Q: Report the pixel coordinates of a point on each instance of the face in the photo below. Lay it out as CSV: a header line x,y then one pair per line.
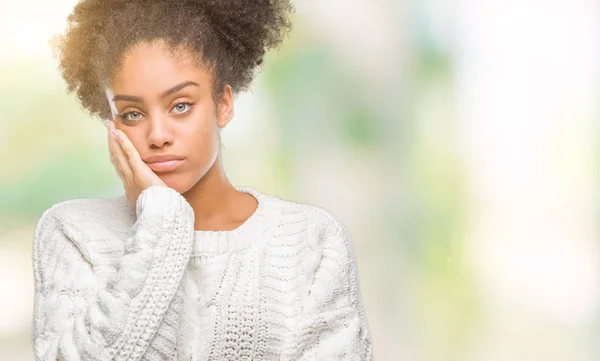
x,y
164,104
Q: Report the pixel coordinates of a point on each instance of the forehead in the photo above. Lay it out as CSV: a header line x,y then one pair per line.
x,y
151,68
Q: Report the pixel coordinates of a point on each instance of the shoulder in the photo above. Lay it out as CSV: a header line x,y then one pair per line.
x,y
327,257
323,227
86,218
88,210
84,225
287,206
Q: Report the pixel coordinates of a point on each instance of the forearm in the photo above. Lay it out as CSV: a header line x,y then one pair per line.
x,y
118,320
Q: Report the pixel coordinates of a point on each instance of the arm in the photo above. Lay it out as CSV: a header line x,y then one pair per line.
x,y
77,318
333,325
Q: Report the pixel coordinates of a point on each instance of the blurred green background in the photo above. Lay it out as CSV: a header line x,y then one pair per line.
x,y
457,140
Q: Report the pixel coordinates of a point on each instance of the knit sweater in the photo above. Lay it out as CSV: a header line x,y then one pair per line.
x,y
117,282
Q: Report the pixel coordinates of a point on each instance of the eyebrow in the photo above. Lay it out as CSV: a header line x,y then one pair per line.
x,y
166,93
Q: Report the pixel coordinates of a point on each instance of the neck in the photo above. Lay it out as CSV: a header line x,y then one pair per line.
x,y
213,198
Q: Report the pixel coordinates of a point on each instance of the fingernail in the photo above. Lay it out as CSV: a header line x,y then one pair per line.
x,y
115,133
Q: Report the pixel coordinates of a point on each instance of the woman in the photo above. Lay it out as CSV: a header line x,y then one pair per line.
x,y
185,266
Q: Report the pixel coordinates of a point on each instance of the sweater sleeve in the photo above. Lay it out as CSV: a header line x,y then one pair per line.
x,y
77,317
332,324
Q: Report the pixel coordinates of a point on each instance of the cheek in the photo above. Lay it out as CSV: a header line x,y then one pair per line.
x,y
203,140
203,122
136,139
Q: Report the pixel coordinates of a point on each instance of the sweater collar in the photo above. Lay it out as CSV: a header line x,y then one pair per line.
x,y
217,242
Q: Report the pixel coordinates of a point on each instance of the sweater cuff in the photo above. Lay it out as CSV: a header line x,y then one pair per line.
x,y
154,199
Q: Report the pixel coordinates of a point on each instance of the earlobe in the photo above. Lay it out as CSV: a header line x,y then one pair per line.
x,y
224,119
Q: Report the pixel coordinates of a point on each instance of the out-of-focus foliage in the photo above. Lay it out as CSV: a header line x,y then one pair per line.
x,y
455,142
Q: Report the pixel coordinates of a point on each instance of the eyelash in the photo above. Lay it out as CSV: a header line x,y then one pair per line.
x,y
123,116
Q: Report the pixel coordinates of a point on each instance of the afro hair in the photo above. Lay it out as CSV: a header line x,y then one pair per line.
x,y
229,37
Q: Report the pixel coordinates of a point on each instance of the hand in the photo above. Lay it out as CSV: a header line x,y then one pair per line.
x,y
134,173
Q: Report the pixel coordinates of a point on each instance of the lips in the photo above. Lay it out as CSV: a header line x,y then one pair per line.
x,y
162,158
165,166
164,162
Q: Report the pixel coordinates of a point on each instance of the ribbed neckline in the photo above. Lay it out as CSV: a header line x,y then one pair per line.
x,y
217,242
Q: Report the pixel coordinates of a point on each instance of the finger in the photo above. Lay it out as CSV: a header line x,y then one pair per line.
x,y
119,158
117,166
111,151
131,154
111,155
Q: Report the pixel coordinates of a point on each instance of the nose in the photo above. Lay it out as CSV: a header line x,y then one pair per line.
x,y
159,133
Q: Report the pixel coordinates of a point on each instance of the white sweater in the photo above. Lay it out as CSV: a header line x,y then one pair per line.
x,y
114,282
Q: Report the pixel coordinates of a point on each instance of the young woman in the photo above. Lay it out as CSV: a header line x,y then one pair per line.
x,y
185,266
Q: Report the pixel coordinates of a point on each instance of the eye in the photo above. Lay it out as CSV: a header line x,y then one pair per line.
x,y
182,107
131,116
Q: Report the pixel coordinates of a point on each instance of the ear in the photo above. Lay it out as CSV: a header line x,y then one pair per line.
x,y
225,107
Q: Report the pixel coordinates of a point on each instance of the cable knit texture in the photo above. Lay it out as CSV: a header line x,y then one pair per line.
x,y
116,282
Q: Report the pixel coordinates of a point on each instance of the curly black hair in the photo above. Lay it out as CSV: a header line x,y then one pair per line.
x,y
229,37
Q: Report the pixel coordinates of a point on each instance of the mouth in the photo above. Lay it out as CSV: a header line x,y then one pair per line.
x,y
165,166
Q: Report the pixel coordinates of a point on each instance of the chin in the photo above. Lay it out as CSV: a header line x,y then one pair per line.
x,y
173,181
182,183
